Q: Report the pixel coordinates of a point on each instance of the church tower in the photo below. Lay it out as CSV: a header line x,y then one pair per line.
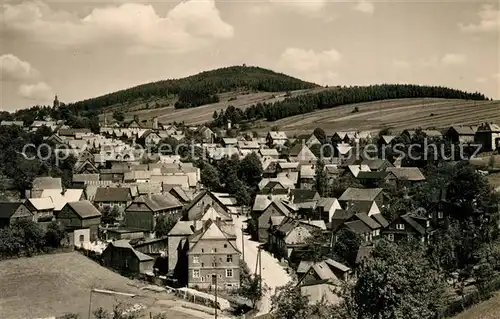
x,y
56,102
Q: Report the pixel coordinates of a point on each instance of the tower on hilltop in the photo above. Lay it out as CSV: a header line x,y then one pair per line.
x,y
56,103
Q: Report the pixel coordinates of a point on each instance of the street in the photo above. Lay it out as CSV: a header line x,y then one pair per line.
x,y
273,274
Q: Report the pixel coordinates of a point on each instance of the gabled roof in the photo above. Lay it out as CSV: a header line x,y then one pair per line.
x,y
82,178
303,195
125,244
60,198
278,135
84,209
43,203
341,214
368,221
465,130
201,195
47,183
7,209
375,164
388,138
408,219
380,219
326,203
360,194
157,202
374,175
407,173
185,228
112,194
358,227
337,265
211,230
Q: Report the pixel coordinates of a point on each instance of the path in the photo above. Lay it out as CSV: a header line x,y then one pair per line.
x,y
273,274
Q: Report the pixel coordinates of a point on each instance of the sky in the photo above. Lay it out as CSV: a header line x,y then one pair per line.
x,y
84,49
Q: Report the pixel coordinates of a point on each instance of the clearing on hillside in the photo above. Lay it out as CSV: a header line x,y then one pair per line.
x,y
52,285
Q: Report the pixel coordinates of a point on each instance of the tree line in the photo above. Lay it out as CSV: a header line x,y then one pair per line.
x,y
333,97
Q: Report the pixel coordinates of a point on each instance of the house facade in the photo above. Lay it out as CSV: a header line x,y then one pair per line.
x,y
80,215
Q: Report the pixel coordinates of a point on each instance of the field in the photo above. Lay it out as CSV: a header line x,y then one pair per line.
x,y
372,116
52,285
489,309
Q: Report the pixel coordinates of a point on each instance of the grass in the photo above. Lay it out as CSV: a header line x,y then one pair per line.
x,y
489,309
52,285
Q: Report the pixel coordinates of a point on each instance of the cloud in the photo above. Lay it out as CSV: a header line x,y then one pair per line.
x,y
365,7
302,6
400,64
489,21
453,59
40,91
137,28
14,69
311,65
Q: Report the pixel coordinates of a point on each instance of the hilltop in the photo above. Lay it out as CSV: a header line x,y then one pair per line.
x,y
195,90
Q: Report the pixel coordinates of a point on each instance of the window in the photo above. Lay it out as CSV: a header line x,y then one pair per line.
x,y
440,215
82,238
391,237
202,250
196,259
202,279
225,245
427,223
196,273
214,264
377,232
400,226
202,265
214,250
229,258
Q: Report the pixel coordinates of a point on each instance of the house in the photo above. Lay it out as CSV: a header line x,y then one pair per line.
x,y
183,195
12,123
42,208
151,137
327,269
11,212
366,227
213,259
275,208
325,208
352,195
488,135
312,140
340,138
80,180
302,153
206,134
407,225
269,153
213,214
290,234
411,174
112,197
324,291
62,197
178,245
276,138
229,142
80,215
461,134
354,170
196,209
377,165
121,256
144,211
374,178
40,184
307,176
385,140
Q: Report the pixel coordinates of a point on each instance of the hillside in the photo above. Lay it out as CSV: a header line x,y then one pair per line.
x,y
195,90
60,283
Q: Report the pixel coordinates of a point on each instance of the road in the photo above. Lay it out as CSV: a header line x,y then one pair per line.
x,y
273,274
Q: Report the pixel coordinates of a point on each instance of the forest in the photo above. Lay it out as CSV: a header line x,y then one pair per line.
x,y
335,97
199,88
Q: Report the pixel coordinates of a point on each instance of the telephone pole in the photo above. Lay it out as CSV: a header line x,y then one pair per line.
x,y
216,304
242,244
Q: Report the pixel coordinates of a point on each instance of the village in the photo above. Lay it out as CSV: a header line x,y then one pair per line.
x,y
150,216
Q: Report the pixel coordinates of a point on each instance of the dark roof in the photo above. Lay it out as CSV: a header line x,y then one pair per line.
x,y
200,196
72,131
464,130
408,219
302,195
341,214
360,194
375,164
85,209
360,207
112,194
294,151
7,209
368,221
380,219
373,175
358,227
158,202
